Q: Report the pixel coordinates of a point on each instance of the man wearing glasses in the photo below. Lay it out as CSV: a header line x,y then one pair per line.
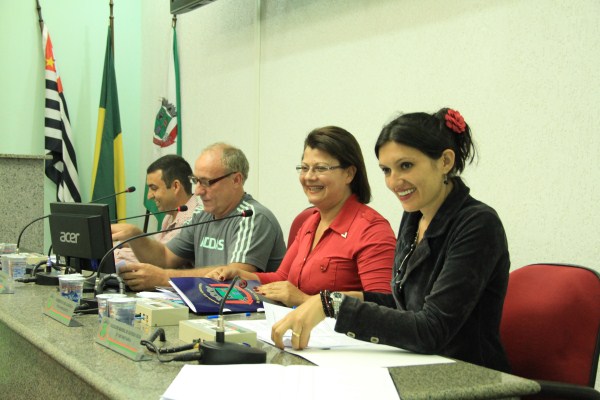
x,y
252,243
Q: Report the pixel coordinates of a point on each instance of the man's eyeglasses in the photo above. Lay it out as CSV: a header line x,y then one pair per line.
x,y
317,169
207,182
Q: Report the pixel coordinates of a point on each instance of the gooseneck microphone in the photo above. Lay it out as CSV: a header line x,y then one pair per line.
x,y
180,208
27,226
243,214
220,352
130,189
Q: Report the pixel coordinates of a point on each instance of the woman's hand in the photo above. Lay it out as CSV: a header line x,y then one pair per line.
x,y
301,321
284,292
224,273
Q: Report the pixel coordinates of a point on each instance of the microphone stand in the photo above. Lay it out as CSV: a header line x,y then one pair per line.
x,y
178,209
130,189
220,352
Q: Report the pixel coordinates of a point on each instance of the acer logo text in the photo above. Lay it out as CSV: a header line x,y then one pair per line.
x,y
69,237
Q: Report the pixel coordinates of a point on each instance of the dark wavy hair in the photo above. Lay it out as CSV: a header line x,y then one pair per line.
x,y
342,145
173,167
429,134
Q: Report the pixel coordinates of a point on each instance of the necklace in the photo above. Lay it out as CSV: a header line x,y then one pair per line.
x,y
399,278
402,266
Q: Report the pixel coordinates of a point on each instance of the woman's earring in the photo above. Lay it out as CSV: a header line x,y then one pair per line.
x,y
445,179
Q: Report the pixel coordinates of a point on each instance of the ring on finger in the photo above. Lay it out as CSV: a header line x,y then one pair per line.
x,y
295,334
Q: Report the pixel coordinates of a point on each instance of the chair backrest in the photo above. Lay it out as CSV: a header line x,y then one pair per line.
x,y
551,323
297,223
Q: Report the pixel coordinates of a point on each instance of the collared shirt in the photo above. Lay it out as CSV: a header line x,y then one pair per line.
x,y
180,218
356,252
126,254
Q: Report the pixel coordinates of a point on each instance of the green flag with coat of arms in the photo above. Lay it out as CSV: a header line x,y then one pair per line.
x,y
167,125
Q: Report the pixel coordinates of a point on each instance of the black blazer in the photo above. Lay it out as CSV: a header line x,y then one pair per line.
x,y
448,298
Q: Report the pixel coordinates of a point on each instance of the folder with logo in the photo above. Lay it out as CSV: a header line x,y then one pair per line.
x,y
204,295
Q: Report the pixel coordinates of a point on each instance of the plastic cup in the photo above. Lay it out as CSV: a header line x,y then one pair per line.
x,y
15,265
103,303
71,286
9,248
122,309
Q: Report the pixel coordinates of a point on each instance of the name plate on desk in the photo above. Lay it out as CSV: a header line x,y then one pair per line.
x,y
60,309
122,338
5,283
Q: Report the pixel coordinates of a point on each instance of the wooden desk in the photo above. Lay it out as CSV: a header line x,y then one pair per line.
x,y
41,358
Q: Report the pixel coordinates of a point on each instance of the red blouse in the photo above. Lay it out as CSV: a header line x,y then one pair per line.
x,y
356,252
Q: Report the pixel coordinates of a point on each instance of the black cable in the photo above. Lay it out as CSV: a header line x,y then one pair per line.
x,y
167,350
195,356
34,270
101,282
149,343
158,332
84,308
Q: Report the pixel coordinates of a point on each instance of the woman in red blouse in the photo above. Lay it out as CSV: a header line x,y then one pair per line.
x,y
345,245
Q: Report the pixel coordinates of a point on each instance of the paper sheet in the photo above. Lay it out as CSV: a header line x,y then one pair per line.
x,y
276,382
329,348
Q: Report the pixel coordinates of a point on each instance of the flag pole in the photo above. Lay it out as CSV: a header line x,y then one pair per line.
x,y
112,28
39,11
62,168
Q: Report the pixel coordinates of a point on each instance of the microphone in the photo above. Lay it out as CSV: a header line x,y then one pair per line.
x,y
180,208
130,189
220,352
243,214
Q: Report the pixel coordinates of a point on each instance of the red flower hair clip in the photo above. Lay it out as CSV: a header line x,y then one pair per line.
x,y
454,121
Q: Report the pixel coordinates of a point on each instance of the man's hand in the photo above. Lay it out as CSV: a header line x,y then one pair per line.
x,y
140,276
122,232
284,292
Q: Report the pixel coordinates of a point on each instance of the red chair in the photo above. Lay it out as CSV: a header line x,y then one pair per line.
x,y
551,328
297,223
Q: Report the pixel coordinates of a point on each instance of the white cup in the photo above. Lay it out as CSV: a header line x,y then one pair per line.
x,y
103,303
122,309
71,286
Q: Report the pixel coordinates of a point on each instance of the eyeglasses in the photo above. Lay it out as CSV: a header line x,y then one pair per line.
x,y
317,169
207,182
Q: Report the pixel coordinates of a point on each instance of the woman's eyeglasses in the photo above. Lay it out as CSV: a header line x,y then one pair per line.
x,y
317,169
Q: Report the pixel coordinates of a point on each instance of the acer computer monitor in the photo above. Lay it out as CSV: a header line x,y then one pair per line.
x,y
80,233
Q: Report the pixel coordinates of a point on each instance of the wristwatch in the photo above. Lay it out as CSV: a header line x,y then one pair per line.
x,y
336,302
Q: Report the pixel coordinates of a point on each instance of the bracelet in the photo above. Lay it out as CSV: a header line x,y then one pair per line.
x,y
326,303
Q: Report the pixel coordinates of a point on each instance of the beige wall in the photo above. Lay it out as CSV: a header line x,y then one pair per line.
x,y
262,74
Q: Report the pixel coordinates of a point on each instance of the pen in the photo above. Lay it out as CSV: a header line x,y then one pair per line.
x,y
216,316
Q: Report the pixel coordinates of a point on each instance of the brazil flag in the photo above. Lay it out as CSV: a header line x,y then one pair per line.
x,y
108,173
